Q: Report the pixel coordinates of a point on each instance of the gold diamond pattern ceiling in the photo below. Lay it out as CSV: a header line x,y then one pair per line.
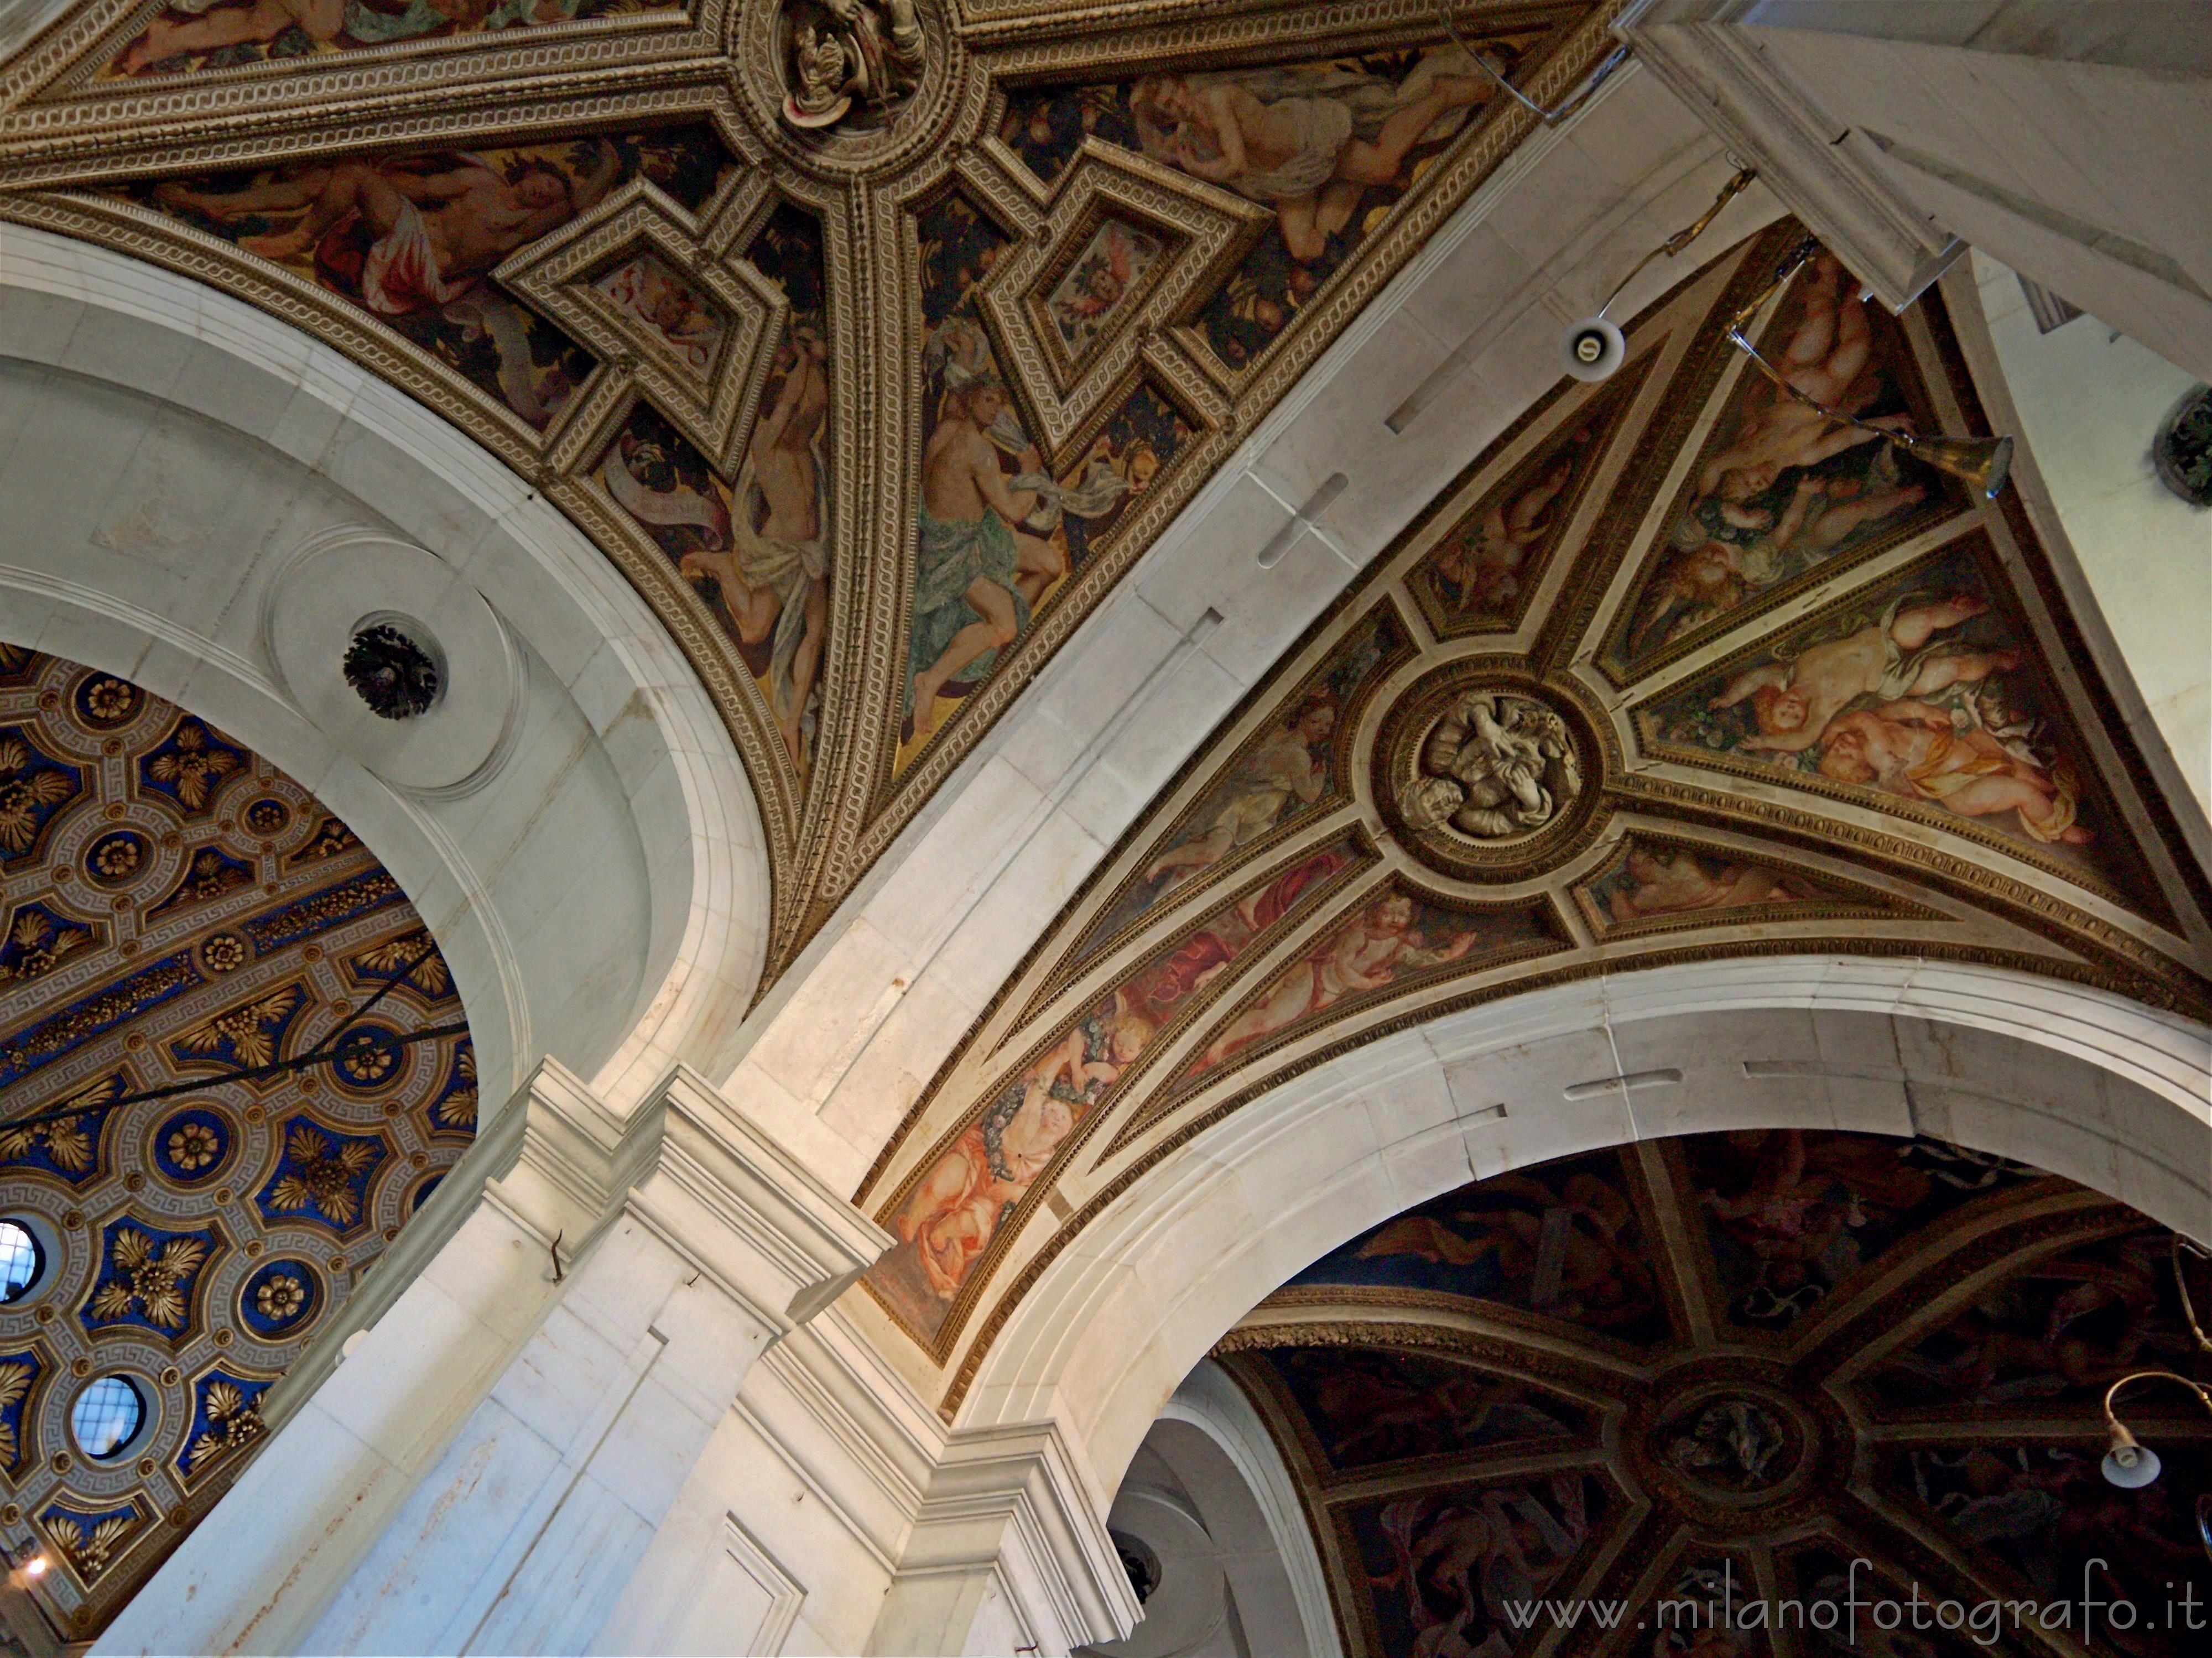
x,y
874,342
1668,673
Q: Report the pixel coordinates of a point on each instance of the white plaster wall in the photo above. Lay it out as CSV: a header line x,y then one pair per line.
x,y
1239,1574
112,493
164,449
2089,400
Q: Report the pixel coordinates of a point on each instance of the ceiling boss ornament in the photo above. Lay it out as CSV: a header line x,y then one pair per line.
x,y
1484,772
1497,767
848,62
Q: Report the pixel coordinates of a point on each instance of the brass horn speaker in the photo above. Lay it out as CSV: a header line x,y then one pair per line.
x,y
1985,463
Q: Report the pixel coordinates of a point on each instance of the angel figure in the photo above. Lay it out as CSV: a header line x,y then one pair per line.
x,y
1308,140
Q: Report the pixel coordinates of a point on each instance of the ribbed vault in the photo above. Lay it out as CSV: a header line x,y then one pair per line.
x,y
1713,1372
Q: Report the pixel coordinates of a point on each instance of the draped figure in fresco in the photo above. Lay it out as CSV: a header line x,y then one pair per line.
x,y
1862,702
2069,1327
967,605
432,236
1483,571
1375,1407
1289,763
1670,881
956,1209
1726,546
953,1212
1899,656
1831,349
187,28
1460,1561
1307,140
771,566
1573,1252
1382,944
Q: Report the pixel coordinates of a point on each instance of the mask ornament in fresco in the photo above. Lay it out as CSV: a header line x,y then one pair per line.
x,y
1714,1371
182,911
1536,801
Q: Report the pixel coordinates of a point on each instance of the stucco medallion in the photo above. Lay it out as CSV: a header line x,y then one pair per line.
x,y
1485,772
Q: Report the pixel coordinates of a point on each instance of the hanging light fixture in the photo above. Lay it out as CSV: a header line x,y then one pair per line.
x,y
1984,463
2128,1463
1595,348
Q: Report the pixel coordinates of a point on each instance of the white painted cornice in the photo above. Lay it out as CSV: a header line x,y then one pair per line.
x,y
1829,175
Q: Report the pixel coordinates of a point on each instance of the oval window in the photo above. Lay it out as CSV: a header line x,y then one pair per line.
x,y
107,1416
22,1263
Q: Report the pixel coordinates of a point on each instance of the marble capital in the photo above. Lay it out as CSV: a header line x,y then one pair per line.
x,y
1007,1542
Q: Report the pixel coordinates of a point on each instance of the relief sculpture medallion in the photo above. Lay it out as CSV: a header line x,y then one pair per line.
x,y
1482,772
848,63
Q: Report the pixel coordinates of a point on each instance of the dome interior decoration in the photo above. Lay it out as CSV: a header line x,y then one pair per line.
x,y
181,1207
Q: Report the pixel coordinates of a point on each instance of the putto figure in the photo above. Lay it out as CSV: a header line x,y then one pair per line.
x,y
849,60
1497,766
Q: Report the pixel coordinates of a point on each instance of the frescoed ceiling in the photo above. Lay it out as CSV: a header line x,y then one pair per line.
x,y
1717,1370
174,910
874,343
1674,670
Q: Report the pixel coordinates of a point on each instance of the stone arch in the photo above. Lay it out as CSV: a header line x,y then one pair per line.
x,y
616,736
2077,1082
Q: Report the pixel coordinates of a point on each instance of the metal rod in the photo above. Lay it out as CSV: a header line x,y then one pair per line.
x,y
1688,233
330,1048
1548,116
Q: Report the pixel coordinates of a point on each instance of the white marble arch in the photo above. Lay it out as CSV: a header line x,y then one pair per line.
x,y
2077,1082
1254,1549
165,450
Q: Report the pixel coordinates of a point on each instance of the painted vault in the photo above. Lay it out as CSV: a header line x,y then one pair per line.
x,y
1675,1388
873,344
1667,674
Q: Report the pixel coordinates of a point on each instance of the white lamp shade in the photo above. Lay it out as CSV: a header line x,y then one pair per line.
x,y
2130,1467
1592,349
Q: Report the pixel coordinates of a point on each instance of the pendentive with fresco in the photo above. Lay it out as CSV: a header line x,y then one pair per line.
x,y
874,342
173,1234
1678,1388
1670,672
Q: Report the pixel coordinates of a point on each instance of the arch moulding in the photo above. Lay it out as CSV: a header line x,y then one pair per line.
x,y
1117,1308
616,733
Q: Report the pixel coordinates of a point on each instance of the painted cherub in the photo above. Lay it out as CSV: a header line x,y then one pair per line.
x,y
1912,749
1369,954
1831,349
1289,763
1484,568
1794,702
1675,881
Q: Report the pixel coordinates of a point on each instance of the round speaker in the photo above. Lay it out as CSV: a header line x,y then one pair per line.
x,y
1592,349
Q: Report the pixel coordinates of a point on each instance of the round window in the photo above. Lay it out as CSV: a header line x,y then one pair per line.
x,y
22,1263
107,1416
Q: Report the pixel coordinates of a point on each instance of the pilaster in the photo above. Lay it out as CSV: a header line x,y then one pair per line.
x,y
477,1459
